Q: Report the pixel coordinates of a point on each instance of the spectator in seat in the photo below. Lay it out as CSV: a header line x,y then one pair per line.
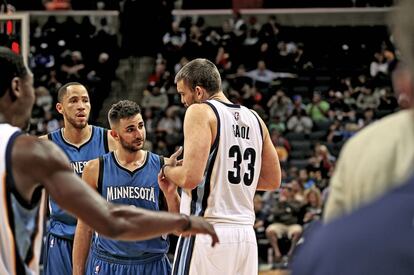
x,y
280,105
318,108
312,209
284,221
299,122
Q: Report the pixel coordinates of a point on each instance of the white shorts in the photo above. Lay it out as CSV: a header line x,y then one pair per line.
x,y
235,254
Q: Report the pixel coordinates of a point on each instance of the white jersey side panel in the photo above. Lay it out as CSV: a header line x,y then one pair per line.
x,y
230,180
8,259
7,248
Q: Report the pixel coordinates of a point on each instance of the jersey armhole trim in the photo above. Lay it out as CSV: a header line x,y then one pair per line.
x,y
100,177
162,201
11,190
105,139
216,141
260,125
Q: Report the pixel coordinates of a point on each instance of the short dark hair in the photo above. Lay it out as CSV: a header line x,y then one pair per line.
x,y
123,109
200,72
62,90
11,65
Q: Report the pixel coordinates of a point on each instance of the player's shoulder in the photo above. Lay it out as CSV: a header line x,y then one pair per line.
x,y
44,136
38,151
92,165
51,134
199,110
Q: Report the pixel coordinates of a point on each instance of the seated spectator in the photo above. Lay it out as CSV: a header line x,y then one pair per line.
x,y
318,108
275,123
322,160
299,122
367,99
298,191
175,38
284,221
260,222
388,102
171,124
378,65
349,100
368,118
73,67
281,144
153,98
280,105
43,99
312,209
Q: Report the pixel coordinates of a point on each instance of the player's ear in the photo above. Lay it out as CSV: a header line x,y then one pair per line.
x,y
199,92
15,89
59,107
114,134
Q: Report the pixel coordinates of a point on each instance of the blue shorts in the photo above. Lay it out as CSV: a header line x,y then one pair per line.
x,y
57,257
99,263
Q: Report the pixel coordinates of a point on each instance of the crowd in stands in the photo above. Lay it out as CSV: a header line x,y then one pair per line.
x,y
314,87
228,4
199,4
59,55
311,100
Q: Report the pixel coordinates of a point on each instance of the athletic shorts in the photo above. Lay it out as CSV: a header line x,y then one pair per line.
x,y
235,254
57,257
99,263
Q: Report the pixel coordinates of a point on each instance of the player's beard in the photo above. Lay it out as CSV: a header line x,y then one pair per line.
x,y
77,124
130,146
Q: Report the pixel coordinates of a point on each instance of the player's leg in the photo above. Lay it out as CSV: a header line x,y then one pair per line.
x,y
229,256
248,261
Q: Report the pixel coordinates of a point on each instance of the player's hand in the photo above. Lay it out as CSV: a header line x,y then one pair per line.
x,y
166,187
199,225
172,160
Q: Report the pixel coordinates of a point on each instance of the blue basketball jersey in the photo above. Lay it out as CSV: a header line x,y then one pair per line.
x,y
139,188
63,224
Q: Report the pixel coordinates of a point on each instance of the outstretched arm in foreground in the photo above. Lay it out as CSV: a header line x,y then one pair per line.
x,y
40,161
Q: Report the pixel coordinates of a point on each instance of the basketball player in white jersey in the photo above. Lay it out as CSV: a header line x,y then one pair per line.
x,y
228,155
27,164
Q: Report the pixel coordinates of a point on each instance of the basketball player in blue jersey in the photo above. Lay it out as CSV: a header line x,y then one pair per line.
x,y
228,155
128,175
28,165
81,142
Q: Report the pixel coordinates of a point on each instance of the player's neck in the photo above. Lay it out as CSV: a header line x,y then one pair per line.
x,y
77,136
220,97
130,160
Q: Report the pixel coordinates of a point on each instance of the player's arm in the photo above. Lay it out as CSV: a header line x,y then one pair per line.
x,y
111,141
39,161
197,143
270,172
169,190
83,235
169,195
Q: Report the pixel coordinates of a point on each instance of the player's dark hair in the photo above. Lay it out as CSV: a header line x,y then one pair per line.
x,y
63,90
123,109
11,65
200,72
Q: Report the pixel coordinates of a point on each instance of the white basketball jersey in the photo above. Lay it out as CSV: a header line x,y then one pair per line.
x,y
230,179
20,228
